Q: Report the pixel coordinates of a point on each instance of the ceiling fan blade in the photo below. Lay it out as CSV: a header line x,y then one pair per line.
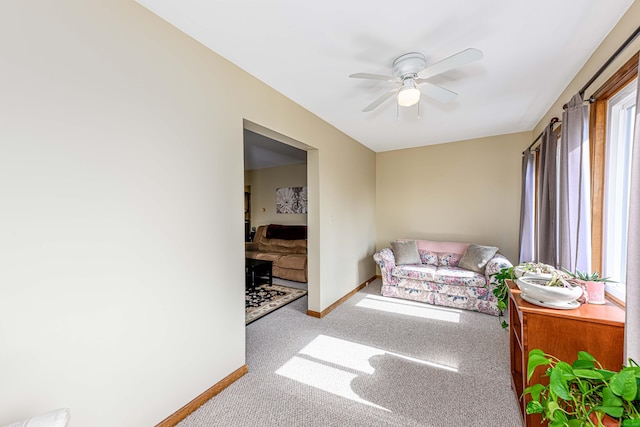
x,y
454,61
380,100
438,93
374,77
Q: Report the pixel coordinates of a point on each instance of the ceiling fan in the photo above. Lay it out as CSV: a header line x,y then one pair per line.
x,y
411,73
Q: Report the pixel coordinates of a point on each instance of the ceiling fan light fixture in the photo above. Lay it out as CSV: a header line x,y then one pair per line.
x,y
409,95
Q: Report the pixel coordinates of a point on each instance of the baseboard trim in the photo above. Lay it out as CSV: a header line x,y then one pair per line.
x,y
326,311
190,407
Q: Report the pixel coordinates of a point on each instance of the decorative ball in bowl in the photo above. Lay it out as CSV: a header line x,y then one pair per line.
x,y
537,289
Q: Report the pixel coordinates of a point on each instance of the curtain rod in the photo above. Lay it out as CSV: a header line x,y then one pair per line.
x,y
624,45
612,58
551,123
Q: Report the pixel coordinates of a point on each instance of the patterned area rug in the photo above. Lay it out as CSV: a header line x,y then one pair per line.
x,y
264,299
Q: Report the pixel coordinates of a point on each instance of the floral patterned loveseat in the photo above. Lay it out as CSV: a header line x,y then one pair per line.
x,y
436,277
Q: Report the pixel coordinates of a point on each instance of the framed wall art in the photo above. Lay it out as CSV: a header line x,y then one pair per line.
x,y
291,200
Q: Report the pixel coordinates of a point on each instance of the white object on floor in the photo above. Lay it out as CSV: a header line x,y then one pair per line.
x,y
57,418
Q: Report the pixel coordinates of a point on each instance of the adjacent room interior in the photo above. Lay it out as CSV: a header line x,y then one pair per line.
x,y
275,188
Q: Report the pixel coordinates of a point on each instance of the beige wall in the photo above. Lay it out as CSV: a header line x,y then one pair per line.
x,y
121,235
466,191
264,183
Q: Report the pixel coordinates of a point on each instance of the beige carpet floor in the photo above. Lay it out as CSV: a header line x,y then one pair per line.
x,y
373,361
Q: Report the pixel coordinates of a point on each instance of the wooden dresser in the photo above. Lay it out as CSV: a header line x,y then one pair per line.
x,y
597,329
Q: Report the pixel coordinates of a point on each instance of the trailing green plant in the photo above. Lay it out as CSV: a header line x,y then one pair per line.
x,y
501,291
583,394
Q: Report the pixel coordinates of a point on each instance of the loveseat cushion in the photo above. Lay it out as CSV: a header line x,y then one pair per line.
x,y
453,276
405,252
293,261
416,272
428,257
264,256
476,257
459,277
282,246
448,259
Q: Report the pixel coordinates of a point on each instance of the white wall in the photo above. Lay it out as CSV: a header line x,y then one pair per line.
x,y
121,235
467,191
264,183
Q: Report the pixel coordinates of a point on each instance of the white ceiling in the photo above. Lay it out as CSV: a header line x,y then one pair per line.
x,y
261,152
306,50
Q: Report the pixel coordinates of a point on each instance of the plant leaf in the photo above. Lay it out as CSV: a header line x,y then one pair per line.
x,y
583,355
534,407
534,391
537,352
559,415
588,373
606,374
624,384
631,423
558,383
535,360
610,399
612,411
583,364
566,369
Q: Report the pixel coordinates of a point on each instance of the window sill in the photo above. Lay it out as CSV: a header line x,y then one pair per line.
x,y
616,293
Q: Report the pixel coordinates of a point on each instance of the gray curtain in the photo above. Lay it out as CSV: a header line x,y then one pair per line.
x,y
574,207
632,326
527,207
547,208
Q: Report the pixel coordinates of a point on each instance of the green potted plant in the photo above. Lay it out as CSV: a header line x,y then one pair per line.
x,y
501,291
592,283
584,394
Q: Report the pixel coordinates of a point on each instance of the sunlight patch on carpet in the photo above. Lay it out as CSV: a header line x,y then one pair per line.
x,y
332,364
410,308
323,377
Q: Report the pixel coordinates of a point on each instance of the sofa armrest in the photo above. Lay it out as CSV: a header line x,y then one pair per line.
x,y
495,264
387,261
250,246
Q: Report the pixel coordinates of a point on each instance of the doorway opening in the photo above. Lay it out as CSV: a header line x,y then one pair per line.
x,y
280,190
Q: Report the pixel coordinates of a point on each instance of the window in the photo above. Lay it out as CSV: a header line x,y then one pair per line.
x,y
617,175
612,127
611,133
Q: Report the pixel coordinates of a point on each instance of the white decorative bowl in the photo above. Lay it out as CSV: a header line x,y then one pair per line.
x,y
535,289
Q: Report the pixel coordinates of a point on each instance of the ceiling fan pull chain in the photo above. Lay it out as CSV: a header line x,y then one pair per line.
x,y
418,111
